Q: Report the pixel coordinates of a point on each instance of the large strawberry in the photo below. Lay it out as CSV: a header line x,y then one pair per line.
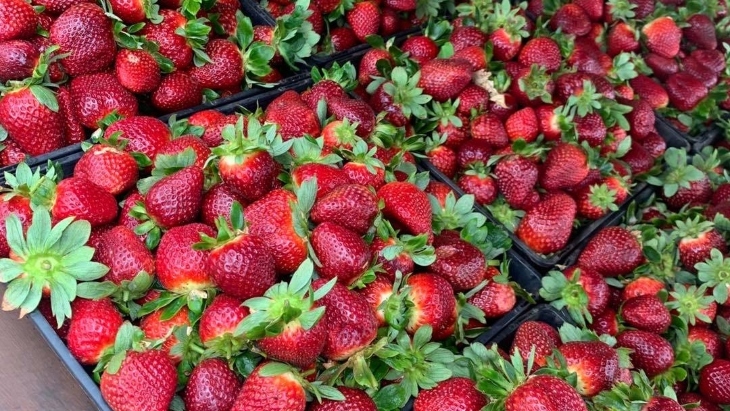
x,y
364,18
566,165
595,363
211,386
179,267
31,118
614,251
93,329
406,206
85,33
651,352
18,20
351,206
137,71
516,179
444,79
341,252
460,263
97,96
546,228
109,168
662,36
713,381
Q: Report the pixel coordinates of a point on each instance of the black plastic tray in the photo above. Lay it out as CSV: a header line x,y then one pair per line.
x,y
542,312
708,137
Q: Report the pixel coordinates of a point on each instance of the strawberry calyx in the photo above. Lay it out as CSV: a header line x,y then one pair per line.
x,y
48,259
308,150
444,113
316,389
39,83
123,294
563,292
294,37
691,303
624,397
256,55
226,232
129,338
345,75
602,197
678,173
505,214
466,313
621,9
415,363
23,183
402,86
196,32
535,83
182,127
343,131
506,16
438,30
284,305
622,69
455,214
257,137
715,273
362,154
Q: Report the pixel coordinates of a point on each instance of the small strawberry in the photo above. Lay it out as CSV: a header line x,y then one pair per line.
x,y
650,91
546,228
180,268
489,127
478,182
341,252
156,326
211,386
18,59
595,363
355,400
460,263
218,324
696,241
137,71
433,303
364,18
516,179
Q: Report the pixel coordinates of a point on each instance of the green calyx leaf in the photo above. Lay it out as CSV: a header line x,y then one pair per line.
x,y
49,257
566,293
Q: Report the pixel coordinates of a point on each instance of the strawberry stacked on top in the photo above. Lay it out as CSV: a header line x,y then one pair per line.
x,y
255,249
76,67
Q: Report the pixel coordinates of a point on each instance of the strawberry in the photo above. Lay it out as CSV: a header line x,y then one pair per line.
x,y
477,181
489,127
156,326
650,91
659,403
132,11
444,79
472,152
328,177
351,324
211,386
93,329
124,254
363,168
662,36
406,206
17,202
584,292
137,71
641,119
271,218
74,131
293,117
225,69
220,320
682,183
443,159
176,92
18,59
651,353
641,286
535,334
571,19
696,241
591,129
433,304
368,64
341,252
638,159
390,22
523,125
455,393
401,5
324,89
377,294
646,313
11,154
605,323
711,59
342,38
355,400
614,251
144,381
471,98
364,18
496,299
709,338
622,38
17,19
595,201
85,33
686,398
178,145
661,67
685,91
592,8
541,51
410,247
172,45
34,125
355,111
111,169
80,198
595,363
546,228
713,381
96,96
700,31
350,206
180,268
699,71
564,167
421,49
467,36
146,135
516,179
461,264
247,157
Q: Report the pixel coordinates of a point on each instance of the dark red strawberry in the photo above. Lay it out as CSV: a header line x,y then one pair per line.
x,y
646,313
571,19
18,59
351,206
96,96
34,127
137,71
565,166
341,252
444,79
212,386
651,352
685,91
460,263
406,206
489,127
614,251
714,380
455,393
85,33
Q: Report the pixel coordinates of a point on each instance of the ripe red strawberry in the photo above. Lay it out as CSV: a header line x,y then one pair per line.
x,y
591,129
662,36
546,228
356,111
565,166
172,45
641,286
714,380
476,181
444,79
84,31
433,303
376,294
549,122
180,268
137,71
293,116
461,264
595,363
592,8
18,59
130,11
595,201
605,323
96,96
211,386
11,154
156,327
401,5
686,398
406,206
650,91
496,299
516,178
651,352
351,324
17,19
471,98
542,51
351,206
662,67
489,127
535,334
18,204
180,144
124,254
109,168
30,123
80,198
455,393
323,89
368,68
342,253
271,219
282,392
177,91
696,241
145,381
711,59
390,22
685,91
660,403
220,320
614,251
73,131
622,38
342,38
328,177
700,71
523,125
700,31
364,18
646,313
443,159
93,329
472,152
467,36
711,339
571,19
355,400
422,49
175,199
226,69
146,135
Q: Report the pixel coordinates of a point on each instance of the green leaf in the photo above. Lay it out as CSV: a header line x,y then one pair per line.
x,y
273,369
45,96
